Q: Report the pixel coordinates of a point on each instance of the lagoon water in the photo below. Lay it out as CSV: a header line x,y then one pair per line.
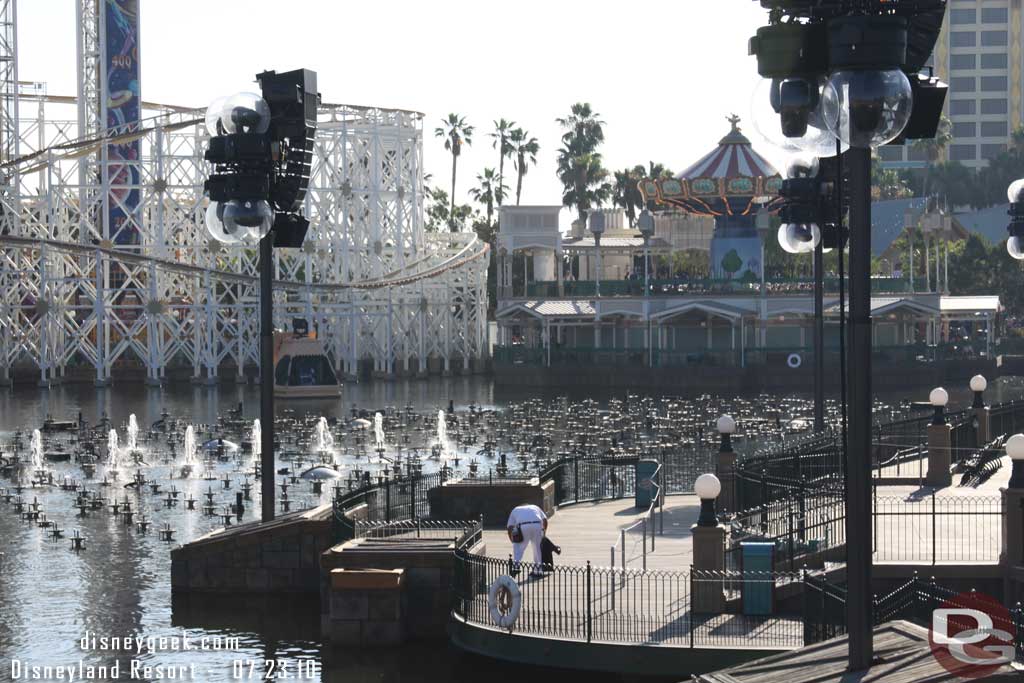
x,y
119,587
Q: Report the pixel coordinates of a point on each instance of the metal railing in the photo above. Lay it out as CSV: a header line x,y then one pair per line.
x,y
647,524
915,601
462,531
937,529
704,285
590,603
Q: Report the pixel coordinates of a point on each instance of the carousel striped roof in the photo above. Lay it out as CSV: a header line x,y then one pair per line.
x,y
733,158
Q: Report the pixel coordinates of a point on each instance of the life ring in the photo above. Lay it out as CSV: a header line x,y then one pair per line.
x,y
504,601
794,360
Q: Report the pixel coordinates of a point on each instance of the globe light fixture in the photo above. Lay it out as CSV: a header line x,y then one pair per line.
x,y
250,219
939,397
868,109
1015,449
215,225
213,112
788,114
707,487
245,112
1015,242
726,427
978,386
799,238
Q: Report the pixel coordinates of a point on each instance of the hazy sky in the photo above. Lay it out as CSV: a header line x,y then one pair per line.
x,y
663,74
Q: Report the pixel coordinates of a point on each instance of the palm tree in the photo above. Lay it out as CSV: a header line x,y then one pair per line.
x,y
456,132
933,148
488,191
627,192
502,140
583,179
652,171
524,150
583,130
579,164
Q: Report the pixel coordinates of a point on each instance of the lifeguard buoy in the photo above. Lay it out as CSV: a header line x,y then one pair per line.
x,y
794,361
504,601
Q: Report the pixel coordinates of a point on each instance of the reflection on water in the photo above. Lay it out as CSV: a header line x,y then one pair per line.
x,y
120,585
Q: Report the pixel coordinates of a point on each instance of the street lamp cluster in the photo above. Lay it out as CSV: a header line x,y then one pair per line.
x,y
261,148
843,77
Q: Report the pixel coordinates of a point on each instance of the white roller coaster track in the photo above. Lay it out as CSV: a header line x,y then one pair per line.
x,y
381,292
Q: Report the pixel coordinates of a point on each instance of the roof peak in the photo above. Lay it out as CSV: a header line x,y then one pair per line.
x,y
735,136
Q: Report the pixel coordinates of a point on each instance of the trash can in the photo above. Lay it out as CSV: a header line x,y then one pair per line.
x,y
758,581
645,487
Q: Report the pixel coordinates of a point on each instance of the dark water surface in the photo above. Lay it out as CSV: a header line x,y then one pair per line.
x,y
119,586
50,598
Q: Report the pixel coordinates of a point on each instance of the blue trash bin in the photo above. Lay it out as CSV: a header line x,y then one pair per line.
x,y
758,583
645,487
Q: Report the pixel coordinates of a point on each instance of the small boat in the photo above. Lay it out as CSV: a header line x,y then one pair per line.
x,y
51,425
57,456
302,368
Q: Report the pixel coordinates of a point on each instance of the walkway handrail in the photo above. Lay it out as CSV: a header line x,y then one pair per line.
x,y
647,522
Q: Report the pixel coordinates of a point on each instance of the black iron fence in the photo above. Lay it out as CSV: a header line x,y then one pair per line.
x,y
937,528
590,603
915,601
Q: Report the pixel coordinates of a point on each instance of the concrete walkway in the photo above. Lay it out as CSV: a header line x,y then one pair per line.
x,y
586,532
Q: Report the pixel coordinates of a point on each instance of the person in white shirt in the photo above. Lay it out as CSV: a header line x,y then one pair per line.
x,y
532,522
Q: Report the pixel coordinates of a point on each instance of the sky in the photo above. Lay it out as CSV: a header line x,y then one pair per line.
x,y
663,74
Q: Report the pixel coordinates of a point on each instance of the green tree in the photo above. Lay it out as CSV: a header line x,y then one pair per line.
x,y
584,180
438,212
580,168
524,149
626,193
488,192
731,263
456,133
502,137
886,183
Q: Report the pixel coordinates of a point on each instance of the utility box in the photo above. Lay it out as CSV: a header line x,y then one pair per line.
x,y
646,487
758,579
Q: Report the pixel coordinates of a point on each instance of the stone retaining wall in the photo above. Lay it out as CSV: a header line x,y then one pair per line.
x,y
280,557
462,499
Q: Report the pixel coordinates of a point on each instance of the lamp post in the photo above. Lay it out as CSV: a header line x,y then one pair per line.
x,y
978,386
260,147
939,397
646,225
707,487
726,426
595,221
839,79
1015,449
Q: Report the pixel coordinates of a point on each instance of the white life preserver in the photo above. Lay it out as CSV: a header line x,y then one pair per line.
x,y
794,360
504,600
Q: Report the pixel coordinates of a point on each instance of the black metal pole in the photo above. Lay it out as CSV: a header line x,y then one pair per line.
x,y
858,439
819,339
267,468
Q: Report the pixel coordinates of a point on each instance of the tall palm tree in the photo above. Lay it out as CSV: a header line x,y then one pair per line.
x,y
933,148
488,191
503,142
524,150
584,131
456,133
579,164
626,192
584,180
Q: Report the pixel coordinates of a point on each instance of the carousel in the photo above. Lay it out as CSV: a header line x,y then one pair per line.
x,y
731,183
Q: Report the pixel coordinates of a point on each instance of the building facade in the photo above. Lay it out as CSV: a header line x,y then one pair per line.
x,y
979,54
